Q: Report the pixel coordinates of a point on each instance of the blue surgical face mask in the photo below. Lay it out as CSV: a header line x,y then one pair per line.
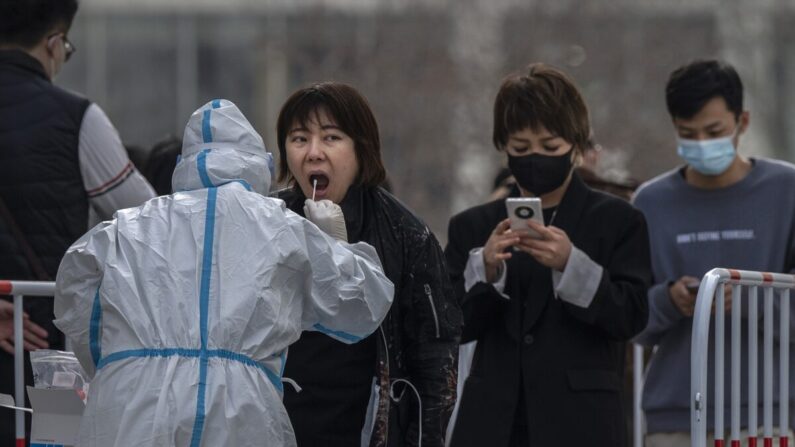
x,y
709,157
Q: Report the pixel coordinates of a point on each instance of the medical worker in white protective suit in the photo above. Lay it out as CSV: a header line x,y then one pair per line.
x,y
182,309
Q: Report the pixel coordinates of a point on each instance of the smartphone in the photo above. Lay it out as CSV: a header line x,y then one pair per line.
x,y
522,209
693,286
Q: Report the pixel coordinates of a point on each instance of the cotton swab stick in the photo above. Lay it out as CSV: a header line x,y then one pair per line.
x,y
314,188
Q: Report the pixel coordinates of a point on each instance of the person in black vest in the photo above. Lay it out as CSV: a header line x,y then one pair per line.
x,y
60,157
550,315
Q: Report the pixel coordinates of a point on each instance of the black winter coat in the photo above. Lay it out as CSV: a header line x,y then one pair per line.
x,y
422,329
568,360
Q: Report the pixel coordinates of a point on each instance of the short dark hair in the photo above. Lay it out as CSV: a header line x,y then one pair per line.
x,y
161,163
25,22
541,96
349,110
501,179
693,85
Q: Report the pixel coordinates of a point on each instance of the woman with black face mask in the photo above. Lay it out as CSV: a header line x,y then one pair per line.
x,y
551,314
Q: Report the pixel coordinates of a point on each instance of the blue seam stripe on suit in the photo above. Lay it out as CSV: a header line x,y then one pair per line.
x,y
204,354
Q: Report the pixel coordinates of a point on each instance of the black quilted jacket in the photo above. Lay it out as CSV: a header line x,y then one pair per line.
x,y
419,338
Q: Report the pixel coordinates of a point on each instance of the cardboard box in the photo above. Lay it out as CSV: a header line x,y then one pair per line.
x,y
56,416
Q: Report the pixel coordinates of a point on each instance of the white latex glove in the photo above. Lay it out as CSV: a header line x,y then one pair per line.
x,y
328,216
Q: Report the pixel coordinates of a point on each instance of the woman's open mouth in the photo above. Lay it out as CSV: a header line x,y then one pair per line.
x,y
319,184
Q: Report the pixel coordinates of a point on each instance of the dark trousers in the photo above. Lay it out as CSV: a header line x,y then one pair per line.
x,y
7,417
519,436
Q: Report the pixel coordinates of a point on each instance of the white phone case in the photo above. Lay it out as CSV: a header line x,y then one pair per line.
x,y
522,209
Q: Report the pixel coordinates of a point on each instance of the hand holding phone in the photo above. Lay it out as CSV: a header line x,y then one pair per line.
x,y
683,293
522,209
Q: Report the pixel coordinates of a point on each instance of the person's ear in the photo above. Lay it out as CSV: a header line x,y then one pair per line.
x,y
744,121
576,155
51,44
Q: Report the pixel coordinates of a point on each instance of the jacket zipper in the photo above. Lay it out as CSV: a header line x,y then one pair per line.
x,y
386,347
433,309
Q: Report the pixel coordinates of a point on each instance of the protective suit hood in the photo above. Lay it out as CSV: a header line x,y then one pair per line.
x,y
220,146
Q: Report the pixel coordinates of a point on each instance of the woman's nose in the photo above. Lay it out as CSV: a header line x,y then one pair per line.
x,y
315,151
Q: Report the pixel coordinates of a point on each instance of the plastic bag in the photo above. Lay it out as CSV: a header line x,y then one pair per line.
x,y
58,369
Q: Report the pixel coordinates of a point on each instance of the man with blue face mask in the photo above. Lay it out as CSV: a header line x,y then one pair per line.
x,y
721,209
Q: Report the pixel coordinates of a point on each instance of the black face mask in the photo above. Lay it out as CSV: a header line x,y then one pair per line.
x,y
540,174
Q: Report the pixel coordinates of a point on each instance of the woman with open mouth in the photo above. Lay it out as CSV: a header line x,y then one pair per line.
x,y
397,385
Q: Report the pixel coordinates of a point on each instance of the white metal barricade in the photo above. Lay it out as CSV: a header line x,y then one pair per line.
x,y
774,286
637,394
19,289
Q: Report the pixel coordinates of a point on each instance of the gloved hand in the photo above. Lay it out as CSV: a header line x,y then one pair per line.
x,y
328,216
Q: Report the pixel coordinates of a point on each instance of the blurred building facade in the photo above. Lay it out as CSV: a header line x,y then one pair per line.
x,y
431,68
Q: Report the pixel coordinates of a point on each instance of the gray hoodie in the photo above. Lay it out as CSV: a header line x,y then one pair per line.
x,y
749,226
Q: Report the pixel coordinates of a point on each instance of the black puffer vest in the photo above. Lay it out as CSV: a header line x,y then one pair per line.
x,y
41,185
40,180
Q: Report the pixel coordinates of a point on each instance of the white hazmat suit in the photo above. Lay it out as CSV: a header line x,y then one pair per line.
x,y
182,309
